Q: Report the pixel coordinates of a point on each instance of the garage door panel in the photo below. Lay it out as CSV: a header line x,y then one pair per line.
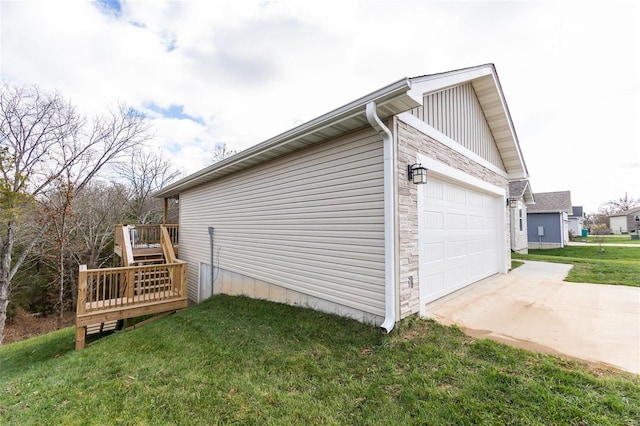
x,y
437,281
456,195
477,271
434,252
455,276
480,246
435,191
456,221
476,222
434,220
476,200
459,237
456,249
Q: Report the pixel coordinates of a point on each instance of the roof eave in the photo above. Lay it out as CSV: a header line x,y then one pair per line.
x,y
508,143
390,100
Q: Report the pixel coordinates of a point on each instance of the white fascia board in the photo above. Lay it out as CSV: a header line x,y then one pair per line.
x,y
445,171
423,127
434,83
512,130
528,195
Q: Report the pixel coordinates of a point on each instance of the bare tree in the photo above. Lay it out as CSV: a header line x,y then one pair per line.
x,y
144,173
44,142
99,207
221,152
619,205
600,231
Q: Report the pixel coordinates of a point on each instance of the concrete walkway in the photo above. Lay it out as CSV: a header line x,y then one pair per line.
x,y
580,243
533,308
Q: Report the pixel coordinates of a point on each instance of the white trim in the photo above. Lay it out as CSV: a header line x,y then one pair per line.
x,y
447,172
423,127
432,83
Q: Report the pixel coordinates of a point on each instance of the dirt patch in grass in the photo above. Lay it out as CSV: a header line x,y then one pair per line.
x,y
25,325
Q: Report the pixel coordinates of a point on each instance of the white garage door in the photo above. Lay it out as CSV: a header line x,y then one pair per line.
x,y
459,232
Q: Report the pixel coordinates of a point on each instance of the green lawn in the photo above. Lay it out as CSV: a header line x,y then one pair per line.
x,y
233,360
615,265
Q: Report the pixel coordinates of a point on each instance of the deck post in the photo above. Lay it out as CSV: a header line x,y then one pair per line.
x,y
130,275
80,337
183,279
81,306
165,215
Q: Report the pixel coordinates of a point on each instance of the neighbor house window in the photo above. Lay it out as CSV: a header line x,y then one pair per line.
x,y
520,218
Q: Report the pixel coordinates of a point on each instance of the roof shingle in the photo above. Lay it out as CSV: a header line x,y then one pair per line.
x,y
559,201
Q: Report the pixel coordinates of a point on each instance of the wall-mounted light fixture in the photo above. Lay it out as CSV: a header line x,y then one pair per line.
x,y
417,173
512,203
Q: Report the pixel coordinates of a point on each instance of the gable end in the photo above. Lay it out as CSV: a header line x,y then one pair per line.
x,y
457,113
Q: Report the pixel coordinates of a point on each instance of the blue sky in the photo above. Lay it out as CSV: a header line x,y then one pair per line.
x,y
208,72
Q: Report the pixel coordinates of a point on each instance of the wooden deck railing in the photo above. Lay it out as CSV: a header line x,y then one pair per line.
x,y
117,293
133,240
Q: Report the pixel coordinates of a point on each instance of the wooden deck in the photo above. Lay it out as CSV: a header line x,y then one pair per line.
x,y
112,294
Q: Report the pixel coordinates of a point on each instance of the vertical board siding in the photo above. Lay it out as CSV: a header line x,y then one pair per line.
x,y
457,113
312,222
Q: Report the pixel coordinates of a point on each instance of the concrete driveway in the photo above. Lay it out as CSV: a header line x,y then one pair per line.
x,y
533,308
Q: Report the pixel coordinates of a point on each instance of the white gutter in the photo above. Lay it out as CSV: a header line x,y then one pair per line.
x,y
389,219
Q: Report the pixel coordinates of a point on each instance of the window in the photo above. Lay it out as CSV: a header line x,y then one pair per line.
x,y
520,218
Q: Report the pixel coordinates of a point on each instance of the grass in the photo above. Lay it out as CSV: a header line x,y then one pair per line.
x,y
616,265
233,360
515,264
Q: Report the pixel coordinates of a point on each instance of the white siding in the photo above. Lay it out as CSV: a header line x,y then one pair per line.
x,y
311,221
457,113
618,224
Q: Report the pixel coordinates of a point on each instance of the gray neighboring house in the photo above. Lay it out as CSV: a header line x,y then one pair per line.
x,y
520,196
548,220
325,215
626,221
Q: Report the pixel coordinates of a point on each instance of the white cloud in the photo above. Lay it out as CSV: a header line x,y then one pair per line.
x,y
252,69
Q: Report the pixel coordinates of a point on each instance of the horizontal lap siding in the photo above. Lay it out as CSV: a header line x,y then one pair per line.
x,y
312,222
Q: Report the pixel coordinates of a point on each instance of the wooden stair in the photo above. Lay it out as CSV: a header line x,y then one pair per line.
x,y
149,259
146,244
151,283
103,327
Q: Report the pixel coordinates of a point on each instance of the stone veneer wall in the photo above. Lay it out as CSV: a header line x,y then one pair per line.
x,y
411,142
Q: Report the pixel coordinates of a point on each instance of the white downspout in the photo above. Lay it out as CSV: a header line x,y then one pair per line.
x,y
389,219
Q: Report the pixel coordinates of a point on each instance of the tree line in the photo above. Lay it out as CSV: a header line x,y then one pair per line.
x,y
65,180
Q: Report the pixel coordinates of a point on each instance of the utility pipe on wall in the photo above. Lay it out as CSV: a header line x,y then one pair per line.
x,y
389,218
211,256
